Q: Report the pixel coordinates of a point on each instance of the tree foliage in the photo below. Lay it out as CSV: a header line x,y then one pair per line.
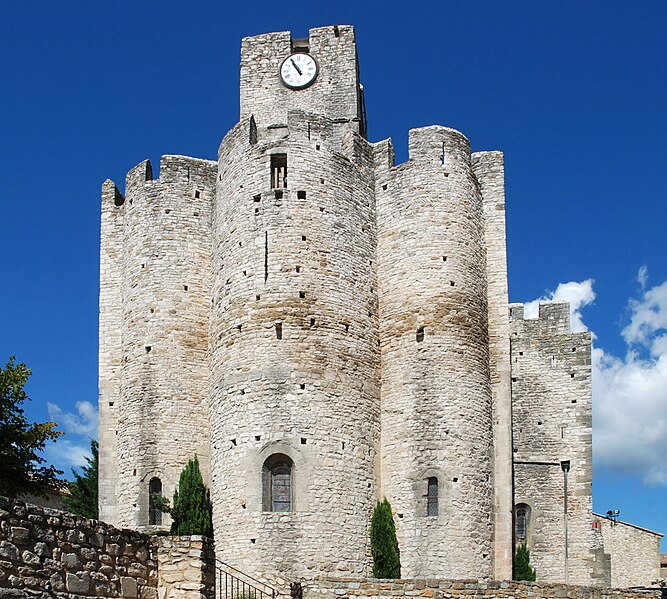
x,y
522,568
83,489
384,545
22,470
191,510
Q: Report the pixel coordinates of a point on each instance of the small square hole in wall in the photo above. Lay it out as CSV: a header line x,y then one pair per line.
x,y
301,195
312,322
256,210
455,479
347,327
451,283
297,269
239,326
302,294
321,208
303,440
134,472
384,187
400,515
257,198
234,442
514,379
420,334
278,194
572,375
258,437
444,258
258,297
241,391
521,353
322,181
245,273
240,244
303,238
574,349
539,423
342,445
152,310
167,211
111,404
317,146
185,287
253,541
302,385
197,194
574,401
148,349
195,214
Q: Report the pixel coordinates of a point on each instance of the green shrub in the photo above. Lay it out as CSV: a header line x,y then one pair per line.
x,y
191,512
522,568
384,545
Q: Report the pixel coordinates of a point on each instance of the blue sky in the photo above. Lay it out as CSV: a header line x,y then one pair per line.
x,y
573,93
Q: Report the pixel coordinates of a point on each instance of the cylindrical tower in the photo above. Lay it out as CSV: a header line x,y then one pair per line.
x,y
435,392
294,341
163,417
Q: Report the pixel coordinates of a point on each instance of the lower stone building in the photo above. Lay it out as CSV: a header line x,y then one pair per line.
x,y
323,327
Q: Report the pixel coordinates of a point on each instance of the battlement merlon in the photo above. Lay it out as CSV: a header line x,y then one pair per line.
x,y
173,167
336,92
554,318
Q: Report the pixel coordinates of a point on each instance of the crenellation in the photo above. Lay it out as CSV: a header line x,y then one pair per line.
x,y
324,328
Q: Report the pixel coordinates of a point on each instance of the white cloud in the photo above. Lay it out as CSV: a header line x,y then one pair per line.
x,y
579,295
642,276
83,423
65,454
629,393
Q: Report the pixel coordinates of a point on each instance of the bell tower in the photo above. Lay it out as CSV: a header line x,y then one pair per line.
x,y
334,91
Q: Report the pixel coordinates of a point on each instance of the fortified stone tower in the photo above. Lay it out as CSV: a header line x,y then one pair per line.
x,y
323,328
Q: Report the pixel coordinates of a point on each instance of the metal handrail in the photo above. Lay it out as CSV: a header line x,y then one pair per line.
x,y
234,584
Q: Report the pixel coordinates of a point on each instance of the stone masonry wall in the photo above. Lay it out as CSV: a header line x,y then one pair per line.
x,y
162,404
635,553
49,553
434,588
295,356
551,401
489,171
435,386
334,94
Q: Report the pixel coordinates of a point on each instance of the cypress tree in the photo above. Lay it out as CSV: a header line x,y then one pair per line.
x,y
384,545
191,511
83,489
522,568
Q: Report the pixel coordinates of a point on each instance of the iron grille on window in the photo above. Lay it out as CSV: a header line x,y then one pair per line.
x,y
432,497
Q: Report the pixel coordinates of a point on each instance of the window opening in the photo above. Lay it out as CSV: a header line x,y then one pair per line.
x,y
279,330
420,334
521,523
281,488
266,255
278,170
432,497
154,502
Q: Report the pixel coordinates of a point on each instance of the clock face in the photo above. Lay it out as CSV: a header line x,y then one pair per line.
x,y
298,71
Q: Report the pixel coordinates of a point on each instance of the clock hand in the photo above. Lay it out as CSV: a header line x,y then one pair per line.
x,y
298,70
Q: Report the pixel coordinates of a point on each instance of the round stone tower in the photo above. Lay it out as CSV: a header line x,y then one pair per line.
x,y
436,397
295,357
162,406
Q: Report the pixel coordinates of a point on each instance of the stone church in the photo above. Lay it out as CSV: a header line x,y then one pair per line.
x,y
323,328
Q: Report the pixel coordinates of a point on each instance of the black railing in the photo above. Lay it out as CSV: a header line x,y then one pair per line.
x,y
234,584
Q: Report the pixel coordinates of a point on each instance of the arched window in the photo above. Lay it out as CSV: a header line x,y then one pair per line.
x,y
154,499
277,483
521,522
432,497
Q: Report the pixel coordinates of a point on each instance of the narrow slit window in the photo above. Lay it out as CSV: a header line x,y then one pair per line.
x,y
420,334
432,497
279,330
278,171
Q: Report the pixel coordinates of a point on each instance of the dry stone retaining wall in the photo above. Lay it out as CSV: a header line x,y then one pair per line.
x,y
355,588
49,553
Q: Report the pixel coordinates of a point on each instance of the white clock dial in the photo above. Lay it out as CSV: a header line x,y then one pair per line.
x,y
298,71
